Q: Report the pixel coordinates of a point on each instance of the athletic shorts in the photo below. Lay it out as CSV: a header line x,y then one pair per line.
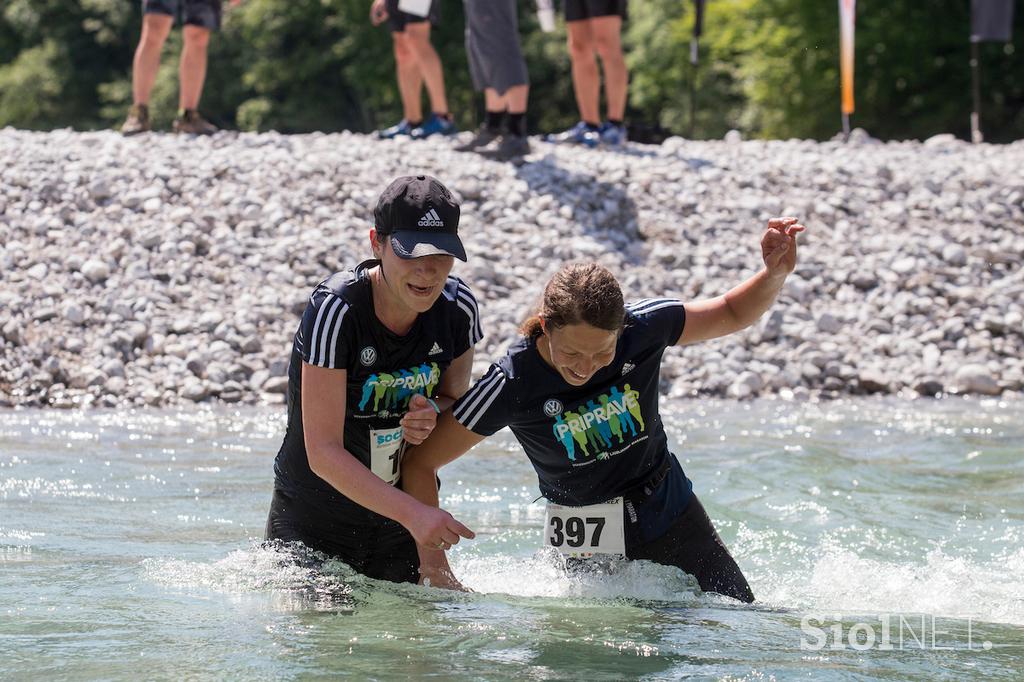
x,y
202,13
397,19
384,550
578,10
692,544
492,45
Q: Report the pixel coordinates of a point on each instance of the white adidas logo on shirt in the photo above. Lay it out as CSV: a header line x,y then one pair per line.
x,y
436,350
628,367
431,219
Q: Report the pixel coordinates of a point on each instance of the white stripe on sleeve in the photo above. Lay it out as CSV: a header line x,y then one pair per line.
x,y
324,337
474,404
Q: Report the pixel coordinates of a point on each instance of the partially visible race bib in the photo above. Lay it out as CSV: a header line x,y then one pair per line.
x,y
586,531
420,8
386,453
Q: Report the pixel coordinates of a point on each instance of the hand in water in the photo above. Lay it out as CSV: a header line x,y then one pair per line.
x,y
440,576
419,421
778,245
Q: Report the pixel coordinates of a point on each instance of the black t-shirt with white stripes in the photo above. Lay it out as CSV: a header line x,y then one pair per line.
x,y
589,443
340,330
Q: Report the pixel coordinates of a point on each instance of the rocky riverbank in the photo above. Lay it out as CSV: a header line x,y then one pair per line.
x,y
162,270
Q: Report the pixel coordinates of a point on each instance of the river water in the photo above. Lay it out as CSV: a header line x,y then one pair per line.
x,y
883,540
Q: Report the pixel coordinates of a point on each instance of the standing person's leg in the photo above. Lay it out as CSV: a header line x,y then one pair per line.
x,y
192,68
586,79
607,33
608,43
410,79
439,121
156,26
201,18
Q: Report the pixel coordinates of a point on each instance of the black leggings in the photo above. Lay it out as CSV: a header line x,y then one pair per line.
x,y
383,550
692,544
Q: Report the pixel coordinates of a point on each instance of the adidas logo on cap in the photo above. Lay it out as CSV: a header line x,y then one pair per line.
x,y
431,219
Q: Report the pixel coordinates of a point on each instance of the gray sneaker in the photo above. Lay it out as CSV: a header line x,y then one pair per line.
x,y
137,121
483,137
190,122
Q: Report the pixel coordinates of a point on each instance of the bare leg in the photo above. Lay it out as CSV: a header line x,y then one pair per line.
x,y
516,98
607,33
495,102
155,29
410,80
429,64
586,80
192,69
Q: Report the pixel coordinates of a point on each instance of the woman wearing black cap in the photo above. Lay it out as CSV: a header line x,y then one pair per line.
x,y
380,351
580,393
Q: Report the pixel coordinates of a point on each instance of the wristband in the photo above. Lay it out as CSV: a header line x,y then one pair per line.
x,y
434,405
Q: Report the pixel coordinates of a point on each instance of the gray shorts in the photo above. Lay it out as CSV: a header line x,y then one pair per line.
x,y
202,13
492,45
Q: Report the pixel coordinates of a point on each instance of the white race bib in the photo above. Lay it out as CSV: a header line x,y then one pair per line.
x,y
420,8
585,531
386,453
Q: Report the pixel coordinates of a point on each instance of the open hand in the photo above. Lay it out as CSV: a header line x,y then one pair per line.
x,y
419,421
778,245
436,530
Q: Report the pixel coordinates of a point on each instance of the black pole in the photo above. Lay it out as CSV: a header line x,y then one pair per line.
x,y
976,135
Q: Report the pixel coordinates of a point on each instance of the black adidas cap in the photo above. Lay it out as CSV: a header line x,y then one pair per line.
x,y
421,216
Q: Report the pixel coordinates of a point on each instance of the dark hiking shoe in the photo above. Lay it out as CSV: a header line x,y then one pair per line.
x,y
507,148
189,122
483,137
137,121
402,128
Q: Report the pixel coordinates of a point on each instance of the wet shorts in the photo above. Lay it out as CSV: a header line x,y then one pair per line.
x,y
492,45
578,10
202,13
692,544
398,19
383,550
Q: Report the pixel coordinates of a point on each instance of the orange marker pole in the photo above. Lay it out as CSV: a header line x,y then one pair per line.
x,y
847,10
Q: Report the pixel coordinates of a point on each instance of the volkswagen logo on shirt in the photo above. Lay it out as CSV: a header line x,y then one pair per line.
x,y
368,355
553,408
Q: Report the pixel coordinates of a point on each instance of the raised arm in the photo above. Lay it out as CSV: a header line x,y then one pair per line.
x,y
742,305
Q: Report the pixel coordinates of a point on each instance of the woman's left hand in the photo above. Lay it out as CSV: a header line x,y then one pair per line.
x,y
420,420
778,245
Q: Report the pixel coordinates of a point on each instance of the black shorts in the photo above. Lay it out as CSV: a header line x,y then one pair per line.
x,y
383,550
692,544
202,13
398,19
578,10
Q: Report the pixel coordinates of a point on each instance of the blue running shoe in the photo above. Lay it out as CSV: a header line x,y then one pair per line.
x,y
613,135
580,133
400,128
435,125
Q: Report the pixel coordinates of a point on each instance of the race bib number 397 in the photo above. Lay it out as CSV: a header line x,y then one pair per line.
x,y
585,531
386,453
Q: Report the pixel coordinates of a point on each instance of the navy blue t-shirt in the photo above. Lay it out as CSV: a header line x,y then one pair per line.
x,y
590,443
340,330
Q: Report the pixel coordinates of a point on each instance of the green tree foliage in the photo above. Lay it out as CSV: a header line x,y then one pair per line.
x,y
767,67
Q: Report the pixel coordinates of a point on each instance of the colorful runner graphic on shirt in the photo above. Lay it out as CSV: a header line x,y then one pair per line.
x,y
600,424
394,390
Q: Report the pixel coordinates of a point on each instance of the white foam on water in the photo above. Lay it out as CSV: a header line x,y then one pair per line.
x,y
543,575
836,579
256,569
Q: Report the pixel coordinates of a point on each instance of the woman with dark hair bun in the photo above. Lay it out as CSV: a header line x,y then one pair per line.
x,y
580,393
